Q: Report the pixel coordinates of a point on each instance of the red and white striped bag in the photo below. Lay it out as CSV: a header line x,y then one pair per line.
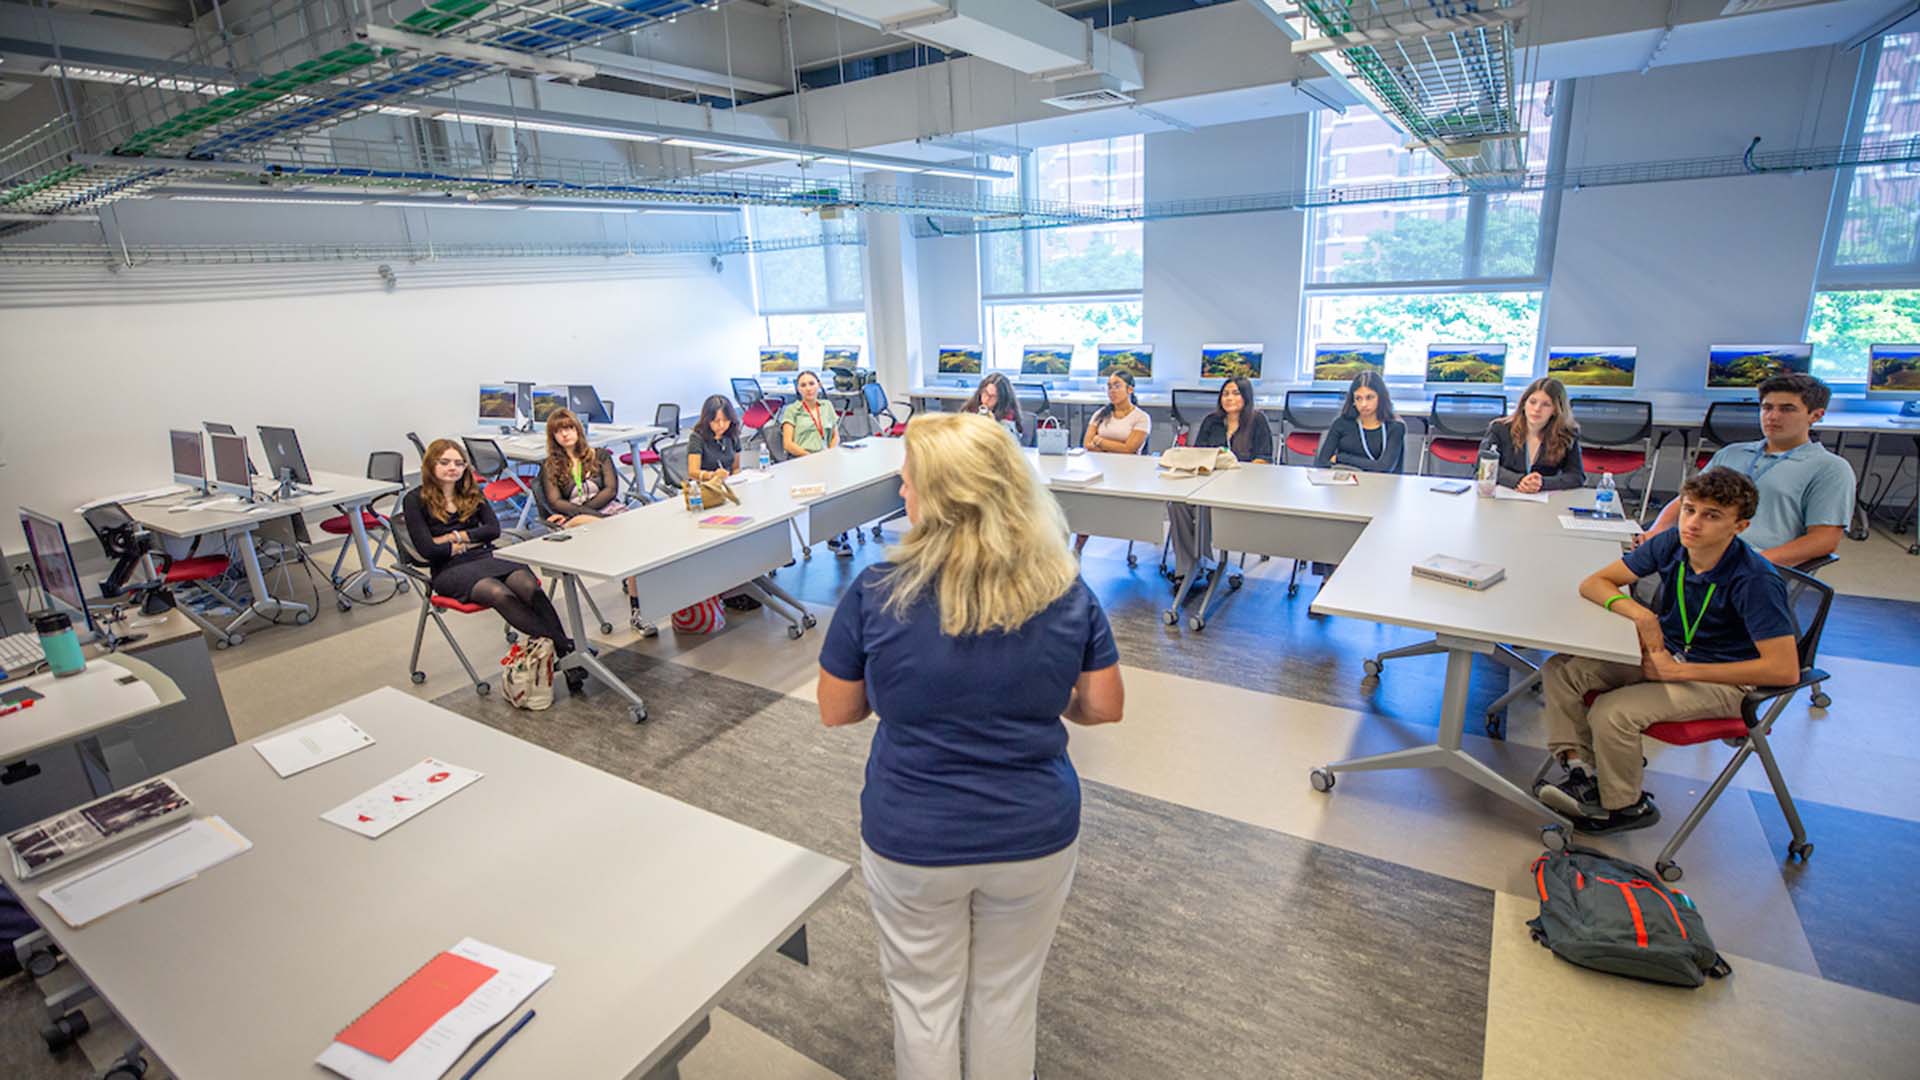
x,y
704,617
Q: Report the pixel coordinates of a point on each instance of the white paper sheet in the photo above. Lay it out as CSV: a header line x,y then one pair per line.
x,y
401,798
124,498
747,476
313,744
1332,478
1623,527
137,873
1515,496
433,1053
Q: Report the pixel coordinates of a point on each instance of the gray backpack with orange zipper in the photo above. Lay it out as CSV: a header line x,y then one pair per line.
x,y
1610,915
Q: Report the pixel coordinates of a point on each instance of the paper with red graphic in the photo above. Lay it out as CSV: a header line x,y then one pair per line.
x,y
401,798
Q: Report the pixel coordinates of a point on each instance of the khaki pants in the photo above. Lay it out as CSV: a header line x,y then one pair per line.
x,y
1607,734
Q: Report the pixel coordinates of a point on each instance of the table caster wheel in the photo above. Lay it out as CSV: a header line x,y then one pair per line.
x,y
1554,837
606,628
1321,779
41,962
1293,591
1195,622
1234,581
235,639
418,677
809,621
807,552
366,589
1133,561
639,713
1669,870
794,632
65,1031
1372,668
1496,726
302,618
483,688
1801,851
876,533
343,605
402,585
1821,700
1170,617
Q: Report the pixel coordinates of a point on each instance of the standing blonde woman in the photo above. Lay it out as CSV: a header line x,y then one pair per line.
x,y
971,642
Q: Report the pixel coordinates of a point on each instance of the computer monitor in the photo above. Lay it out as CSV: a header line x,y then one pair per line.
x,y
1466,362
284,458
189,459
215,427
1046,359
960,359
547,400
1134,358
54,567
586,404
1339,361
779,359
840,356
1592,367
230,470
499,405
523,402
1743,367
1231,361
1893,374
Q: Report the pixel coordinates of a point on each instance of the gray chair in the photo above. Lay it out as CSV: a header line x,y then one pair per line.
x,y
1188,409
1726,423
414,566
386,466
1033,401
1456,423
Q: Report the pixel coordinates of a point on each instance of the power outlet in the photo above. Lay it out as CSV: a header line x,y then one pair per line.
x,y
22,569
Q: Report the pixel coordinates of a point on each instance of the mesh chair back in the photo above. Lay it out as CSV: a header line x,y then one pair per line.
x,y
746,391
1812,599
673,462
1729,422
403,543
1466,416
1192,406
876,399
418,447
485,457
1032,398
1613,421
667,415
387,466
114,528
1312,410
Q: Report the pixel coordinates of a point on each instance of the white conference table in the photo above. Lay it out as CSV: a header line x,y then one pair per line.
x,y
650,910
351,494
530,448
862,479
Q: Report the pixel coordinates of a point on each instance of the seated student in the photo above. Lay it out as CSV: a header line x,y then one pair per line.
x,y
1806,492
808,426
1726,627
1366,436
713,453
581,482
1237,425
453,528
1539,445
994,397
1120,427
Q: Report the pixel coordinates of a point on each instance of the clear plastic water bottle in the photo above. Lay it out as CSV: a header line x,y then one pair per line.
x,y
1606,500
766,459
693,494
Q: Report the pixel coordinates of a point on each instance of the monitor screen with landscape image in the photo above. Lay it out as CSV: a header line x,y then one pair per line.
x,y
1466,362
1593,365
1231,361
1046,359
1743,367
779,359
1135,359
1893,371
840,356
1339,361
960,359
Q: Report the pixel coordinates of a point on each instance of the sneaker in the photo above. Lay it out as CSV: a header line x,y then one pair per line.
x,y
1576,795
841,549
742,603
1638,816
576,680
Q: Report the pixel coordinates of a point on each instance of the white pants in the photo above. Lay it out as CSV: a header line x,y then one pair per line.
x,y
966,936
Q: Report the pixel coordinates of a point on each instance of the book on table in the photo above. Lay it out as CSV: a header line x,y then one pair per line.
x,y
725,521
1452,570
97,826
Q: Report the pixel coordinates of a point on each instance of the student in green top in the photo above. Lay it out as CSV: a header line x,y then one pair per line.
x,y
809,426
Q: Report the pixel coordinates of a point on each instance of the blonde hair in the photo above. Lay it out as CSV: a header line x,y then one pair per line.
x,y
991,542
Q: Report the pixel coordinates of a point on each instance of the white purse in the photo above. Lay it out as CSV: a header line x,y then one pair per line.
x,y
1050,437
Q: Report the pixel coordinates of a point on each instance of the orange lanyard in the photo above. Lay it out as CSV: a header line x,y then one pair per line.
x,y
813,413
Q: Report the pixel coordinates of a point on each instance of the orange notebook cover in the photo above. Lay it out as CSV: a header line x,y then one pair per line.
x,y
387,1029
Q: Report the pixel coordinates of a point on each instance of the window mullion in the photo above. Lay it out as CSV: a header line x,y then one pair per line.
x,y
1476,235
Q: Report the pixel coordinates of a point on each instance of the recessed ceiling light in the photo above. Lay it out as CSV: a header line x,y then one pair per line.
x,y
542,125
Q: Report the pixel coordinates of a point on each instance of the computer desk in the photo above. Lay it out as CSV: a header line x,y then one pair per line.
x,y
530,448
75,713
650,910
350,493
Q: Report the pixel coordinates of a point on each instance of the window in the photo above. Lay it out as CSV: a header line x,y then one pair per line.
x,y
1078,259
1869,285
1081,323
823,271
1409,321
812,332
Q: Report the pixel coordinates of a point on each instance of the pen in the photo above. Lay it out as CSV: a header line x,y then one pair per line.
x,y
495,1048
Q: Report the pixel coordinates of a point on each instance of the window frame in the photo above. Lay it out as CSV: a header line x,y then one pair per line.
x,y
836,304
1024,170
1830,276
990,341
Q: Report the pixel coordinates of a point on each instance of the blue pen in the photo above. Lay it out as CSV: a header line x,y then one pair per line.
x,y
495,1048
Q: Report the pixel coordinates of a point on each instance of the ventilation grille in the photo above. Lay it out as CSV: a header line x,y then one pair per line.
x,y
1089,99
1748,7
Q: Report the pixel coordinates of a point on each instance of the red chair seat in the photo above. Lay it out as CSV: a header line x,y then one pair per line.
x,y
756,416
626,459
1689,732
1304,443
649,457
897,430
450,604
1700,460
1615,462
1456,451
203,568
500,490
341,525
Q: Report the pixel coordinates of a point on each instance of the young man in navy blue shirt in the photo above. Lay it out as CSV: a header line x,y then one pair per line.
x,y
1725,627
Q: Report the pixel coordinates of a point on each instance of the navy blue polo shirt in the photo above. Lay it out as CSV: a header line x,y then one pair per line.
x,y
1749,600
969,759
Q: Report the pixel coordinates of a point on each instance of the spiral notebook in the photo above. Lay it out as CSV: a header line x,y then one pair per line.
x,y
408,1010
418,1030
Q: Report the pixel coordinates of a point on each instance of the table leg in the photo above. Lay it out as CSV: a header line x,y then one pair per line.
x,y
1445,753
1220,572
264,602
1201,530
639,480
582,657
356,523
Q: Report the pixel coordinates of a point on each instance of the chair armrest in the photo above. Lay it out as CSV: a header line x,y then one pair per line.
x,y
1817,563
1761,695
909,406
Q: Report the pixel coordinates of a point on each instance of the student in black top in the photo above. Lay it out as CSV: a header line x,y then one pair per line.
x,y
1237,425
713,450
1539,445
1366,436
581,482
451,525
994,397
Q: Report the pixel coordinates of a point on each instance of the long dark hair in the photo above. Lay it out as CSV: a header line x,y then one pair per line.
x,y
1374,381
719,405
1005,405
1561,430
1242,441
1107,409
559,461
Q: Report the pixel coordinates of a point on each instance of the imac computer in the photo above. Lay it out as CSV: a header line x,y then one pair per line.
x,y
1136,359
586,404
840,356
547,400
1229,361
959,360
1046,361
1893,374
214,427
499,406
1742,368
231,474
1337,362
285,463
1582,368
54,567
780,360
189,459
1450,363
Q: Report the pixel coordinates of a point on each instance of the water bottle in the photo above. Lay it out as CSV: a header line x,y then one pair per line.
x,y
693,494
766,459
60,644
1605,497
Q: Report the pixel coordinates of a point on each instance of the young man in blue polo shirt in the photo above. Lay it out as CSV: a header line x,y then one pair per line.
x,y
1725,626
1806,493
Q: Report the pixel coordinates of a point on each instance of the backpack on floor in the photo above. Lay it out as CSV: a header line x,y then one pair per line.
x,y
1610,915
527,675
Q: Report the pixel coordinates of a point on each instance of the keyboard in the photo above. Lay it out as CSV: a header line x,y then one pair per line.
x,y
21,653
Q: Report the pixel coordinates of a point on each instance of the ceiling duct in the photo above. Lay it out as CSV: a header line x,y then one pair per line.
x,y
1025,35
1088,92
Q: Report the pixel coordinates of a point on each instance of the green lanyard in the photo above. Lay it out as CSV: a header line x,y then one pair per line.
x,y
578,479
1688,628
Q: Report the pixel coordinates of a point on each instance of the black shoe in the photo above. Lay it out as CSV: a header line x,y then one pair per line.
x,y
742,603
576,680
841,549
1576,795
1638,816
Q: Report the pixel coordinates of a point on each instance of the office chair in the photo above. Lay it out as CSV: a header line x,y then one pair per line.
x,y
124,541
421,449
386,466
1188,409
1306,415
665,415
1616,438
1033,400
431,605
1456,425
746,392
1759,710
1726,423
498,482
877,406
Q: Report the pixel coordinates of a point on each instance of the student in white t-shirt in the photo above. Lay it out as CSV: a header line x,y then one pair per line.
x,y
1120,427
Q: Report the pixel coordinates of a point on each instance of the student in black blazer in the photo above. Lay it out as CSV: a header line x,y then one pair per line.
x,y
1237,425
1539,445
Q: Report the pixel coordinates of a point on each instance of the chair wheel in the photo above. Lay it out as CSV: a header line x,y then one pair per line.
x,y
65,1031
807,552
1293,591
41,962
221,643
1669,870
1821,700
1372,668
1170,617
343,605
876,533
606,628
1553,837
402,585
512,636
1133,561
1195,622
809,621
302,618
1321,779
483,688
794,632
638,712
418,677
235,639
1496,726
1802,851
1234,581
